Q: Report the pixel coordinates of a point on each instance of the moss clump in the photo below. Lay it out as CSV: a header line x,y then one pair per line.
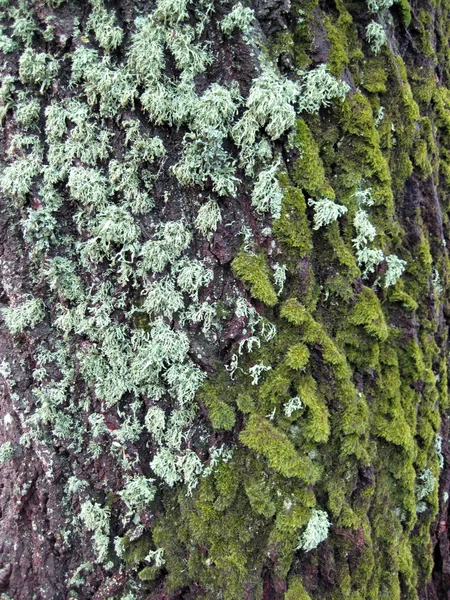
x,y
367,312
148,573
136,551
252,269
405,12
309,173
221,414
297,357
263,437
375,75
296,591
316,425
292,228
341,36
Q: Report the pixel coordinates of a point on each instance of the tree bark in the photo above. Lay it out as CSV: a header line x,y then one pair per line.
x,y
223,288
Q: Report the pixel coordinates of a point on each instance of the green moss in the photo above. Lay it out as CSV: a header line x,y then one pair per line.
x,y
246,403
297,356
309,173
275,388
367,312
136,551
338,57
405,12
252,269
375,75
315,422
294,312
221,414
396,294
296,591
292,228
148,573
261,495
263,437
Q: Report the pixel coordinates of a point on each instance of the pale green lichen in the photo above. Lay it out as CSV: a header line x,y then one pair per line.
x,y
316,531
25,314
6,452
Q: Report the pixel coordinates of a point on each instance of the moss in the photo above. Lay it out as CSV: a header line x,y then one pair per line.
x,y
396,294
280,44
294,312
221,414
422,160
292,228
261,494
418,270
297,356
341,252
339,286
405,12
441,102
361,157
225,546
227,483
367,312
276,388
423,22
263,437
246,403
375,75
296,591
309,173
135,551
148,573
303,33
315,422
252,269
338,57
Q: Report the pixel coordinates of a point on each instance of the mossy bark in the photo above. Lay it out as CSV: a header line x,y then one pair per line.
x,y
305,381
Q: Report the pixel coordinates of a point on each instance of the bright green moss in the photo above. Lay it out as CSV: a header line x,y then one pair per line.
x,y
294,312
367,312
296,591
292,228
253,271
405,12
396,294
297,356
361,155
263,437
337,33
309,173
315,422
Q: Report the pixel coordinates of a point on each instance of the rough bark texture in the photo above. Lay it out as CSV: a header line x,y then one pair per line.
x,y
209,387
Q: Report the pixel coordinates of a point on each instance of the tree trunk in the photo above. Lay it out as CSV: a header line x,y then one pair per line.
x,y
223,290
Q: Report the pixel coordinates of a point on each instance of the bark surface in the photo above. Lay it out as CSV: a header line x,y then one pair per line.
x,y
223,286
